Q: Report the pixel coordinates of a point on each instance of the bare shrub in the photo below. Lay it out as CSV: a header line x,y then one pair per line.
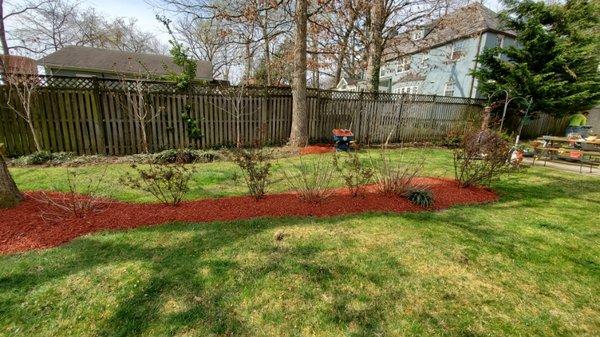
x,y
312,181
79,201
482,156
256,166
396,178
354,173
167,183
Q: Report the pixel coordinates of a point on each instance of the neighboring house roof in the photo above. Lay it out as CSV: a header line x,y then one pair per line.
x,y
115,61
347,81
466,21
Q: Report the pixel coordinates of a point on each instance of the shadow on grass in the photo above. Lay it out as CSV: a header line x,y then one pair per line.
x,y
175,270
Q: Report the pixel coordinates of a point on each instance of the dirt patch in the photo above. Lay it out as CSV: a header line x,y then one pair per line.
x,y
22,228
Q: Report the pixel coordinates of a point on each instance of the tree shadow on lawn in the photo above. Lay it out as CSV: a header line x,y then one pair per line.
x,y
174,271
551,186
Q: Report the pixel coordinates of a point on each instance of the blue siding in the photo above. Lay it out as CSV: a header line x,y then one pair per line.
x,y
433,70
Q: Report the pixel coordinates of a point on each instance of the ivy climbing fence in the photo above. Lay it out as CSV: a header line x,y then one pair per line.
x,y
95,116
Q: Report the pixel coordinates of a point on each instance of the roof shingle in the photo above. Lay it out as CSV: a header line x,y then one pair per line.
x,y
115,61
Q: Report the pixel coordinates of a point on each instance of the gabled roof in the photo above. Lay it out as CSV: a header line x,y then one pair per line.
x,y
466,21
115,61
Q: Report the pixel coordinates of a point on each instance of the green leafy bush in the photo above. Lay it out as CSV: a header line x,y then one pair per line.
x,y
354,173
420,196
44,157
256,166
167,183
186,156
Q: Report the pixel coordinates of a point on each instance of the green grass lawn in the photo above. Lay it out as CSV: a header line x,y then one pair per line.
x,y
525,266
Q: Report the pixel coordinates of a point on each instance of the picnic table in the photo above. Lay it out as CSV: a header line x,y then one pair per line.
x,y
575,150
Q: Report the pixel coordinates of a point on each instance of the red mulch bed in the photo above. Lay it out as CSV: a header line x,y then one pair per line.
x,y
317,148
22,228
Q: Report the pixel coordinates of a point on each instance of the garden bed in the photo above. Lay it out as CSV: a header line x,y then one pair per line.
x,y
22,228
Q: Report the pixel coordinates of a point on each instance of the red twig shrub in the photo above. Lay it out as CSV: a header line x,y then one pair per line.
x,y
482,156
79,201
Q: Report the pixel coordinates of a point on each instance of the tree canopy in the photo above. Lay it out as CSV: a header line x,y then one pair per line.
x,y
555,60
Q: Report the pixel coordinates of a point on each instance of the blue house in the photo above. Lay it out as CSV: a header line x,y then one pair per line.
x,y
436,59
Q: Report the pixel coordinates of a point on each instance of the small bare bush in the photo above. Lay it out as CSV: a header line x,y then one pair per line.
x,y
167,183
482,156
312,181
256,166
354,173
79,201
396,178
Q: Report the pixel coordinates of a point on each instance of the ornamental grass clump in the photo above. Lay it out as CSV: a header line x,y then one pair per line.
x,y
311,181
167,183
353,171
256,167
421,196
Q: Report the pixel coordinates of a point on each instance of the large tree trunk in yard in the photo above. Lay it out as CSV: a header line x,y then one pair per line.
x,y
299,134
376,45
9,194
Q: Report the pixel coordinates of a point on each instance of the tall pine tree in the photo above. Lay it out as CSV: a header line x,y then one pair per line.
x,y
556,58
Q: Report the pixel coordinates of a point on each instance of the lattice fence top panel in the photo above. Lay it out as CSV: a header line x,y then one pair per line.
x,y
202,88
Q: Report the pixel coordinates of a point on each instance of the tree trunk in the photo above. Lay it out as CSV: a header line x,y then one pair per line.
x,y
376,45
3,42
267,48
299,134
248,56
339,62
9,194
315,62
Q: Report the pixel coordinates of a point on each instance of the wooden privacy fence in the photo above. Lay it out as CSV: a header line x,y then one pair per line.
x,y
93,116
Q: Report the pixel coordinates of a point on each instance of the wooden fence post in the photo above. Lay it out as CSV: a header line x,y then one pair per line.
x,y
98,116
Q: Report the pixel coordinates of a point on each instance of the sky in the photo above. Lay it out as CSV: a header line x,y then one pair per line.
x,y
146,13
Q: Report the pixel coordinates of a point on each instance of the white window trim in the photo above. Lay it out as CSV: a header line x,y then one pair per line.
x,y
417,35
402,63
449,87
411,90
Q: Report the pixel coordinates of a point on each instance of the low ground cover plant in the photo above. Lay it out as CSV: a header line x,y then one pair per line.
x,y
44,158
186,156
256,167
353,171
311,180
167,183
483,155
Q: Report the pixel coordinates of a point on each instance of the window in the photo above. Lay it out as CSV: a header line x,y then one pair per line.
x,y
500,40
457,50
417,35
407,90
449,88
403,65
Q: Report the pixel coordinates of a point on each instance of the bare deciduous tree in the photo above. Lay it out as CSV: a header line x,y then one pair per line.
x,y
137,101
21,98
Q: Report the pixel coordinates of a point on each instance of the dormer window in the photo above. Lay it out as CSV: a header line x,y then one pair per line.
x,y
417,34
